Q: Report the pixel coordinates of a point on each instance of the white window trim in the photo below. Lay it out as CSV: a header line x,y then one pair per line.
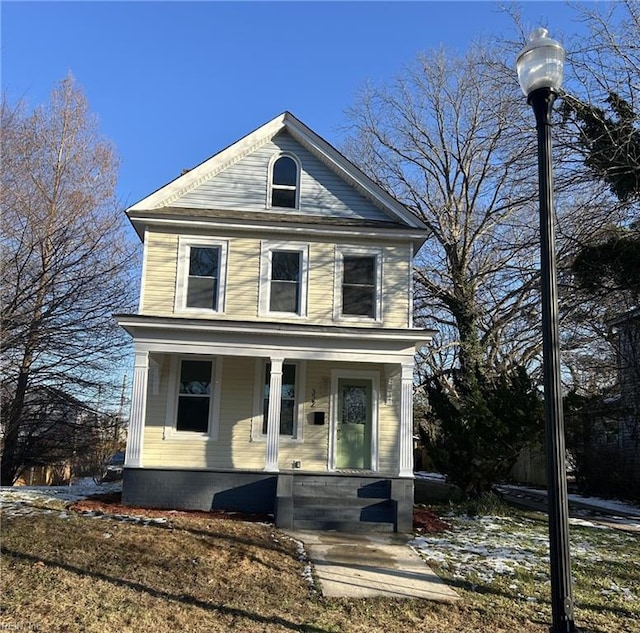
x,y
170,430
256,421
272,162
341,251
336,375
264,300
185,242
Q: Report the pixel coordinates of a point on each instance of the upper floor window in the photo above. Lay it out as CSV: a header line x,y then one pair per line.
x,y
359,283
285,281
284,182
201,275
284,278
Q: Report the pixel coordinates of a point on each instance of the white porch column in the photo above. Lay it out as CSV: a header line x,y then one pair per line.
x,y
138,409
273,416
405,439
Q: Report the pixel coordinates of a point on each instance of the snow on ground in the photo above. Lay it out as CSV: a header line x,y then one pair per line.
x,y
478,550
487,549
24,500
79,489
431,476
605,505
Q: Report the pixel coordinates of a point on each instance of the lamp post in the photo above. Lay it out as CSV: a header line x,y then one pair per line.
x,y
540,71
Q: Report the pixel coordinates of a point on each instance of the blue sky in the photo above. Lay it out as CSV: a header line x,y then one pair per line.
x,y
175,82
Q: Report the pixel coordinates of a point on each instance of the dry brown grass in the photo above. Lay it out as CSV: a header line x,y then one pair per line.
x,y
200,574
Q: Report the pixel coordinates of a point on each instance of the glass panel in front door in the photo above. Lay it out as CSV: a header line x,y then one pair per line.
x,y
353,431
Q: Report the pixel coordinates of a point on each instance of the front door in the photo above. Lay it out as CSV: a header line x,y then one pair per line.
x,y
353,424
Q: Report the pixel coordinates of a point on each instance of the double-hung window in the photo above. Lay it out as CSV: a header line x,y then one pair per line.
x,y
284,278
359,284
194,405
201,275
284,293
194,397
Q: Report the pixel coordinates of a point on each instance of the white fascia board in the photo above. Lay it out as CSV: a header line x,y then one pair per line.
x,y
419,235
268,350
210,167
254,345
168,328
349,172
324,151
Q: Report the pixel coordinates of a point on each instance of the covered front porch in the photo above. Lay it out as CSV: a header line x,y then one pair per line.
x,y
341,419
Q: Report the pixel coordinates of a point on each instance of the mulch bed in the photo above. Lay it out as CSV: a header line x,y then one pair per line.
x,y
111,503
424,520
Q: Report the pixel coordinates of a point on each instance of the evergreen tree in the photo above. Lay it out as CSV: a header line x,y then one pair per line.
x,y
475,433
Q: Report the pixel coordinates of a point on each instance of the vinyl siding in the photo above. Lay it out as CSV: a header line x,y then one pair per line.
x,y
234,447
312,451
243,185
389,427
160,273
243,274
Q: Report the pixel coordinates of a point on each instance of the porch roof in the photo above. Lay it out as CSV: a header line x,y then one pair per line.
x,y
264,339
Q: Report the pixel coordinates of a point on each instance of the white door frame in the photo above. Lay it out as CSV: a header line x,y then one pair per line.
x,y
354,374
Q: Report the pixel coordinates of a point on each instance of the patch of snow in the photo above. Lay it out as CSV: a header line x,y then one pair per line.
x,y
584,523
608,505
25,500
432,476
479,550
78,490
625,592
307,572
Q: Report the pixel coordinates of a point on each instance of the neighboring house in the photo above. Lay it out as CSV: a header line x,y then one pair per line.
x,y
274,345
624,429
59,437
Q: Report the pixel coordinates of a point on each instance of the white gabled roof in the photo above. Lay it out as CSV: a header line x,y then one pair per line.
x,y
325,152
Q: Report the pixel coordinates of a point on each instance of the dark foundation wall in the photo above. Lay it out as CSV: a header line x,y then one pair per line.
x,y
200,490
329,501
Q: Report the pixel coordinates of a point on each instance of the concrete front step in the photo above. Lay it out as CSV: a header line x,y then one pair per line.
x,y
384,511
334,487
344,502
342,525
340,502
355,511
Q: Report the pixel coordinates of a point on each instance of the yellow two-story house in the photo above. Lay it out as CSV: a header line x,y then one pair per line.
x,y
274,342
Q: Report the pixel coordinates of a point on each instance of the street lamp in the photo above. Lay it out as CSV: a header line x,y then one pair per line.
x,y
540,71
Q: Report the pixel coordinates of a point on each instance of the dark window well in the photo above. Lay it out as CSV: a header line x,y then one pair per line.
x,y
285,281
194,398
284,183
359,285
287,399
202,285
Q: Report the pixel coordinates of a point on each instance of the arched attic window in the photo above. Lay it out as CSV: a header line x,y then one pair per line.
x,y
284,181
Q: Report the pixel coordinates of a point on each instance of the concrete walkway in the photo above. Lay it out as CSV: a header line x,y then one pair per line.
x,y
364,565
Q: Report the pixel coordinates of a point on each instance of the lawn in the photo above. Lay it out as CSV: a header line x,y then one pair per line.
x,y
63,571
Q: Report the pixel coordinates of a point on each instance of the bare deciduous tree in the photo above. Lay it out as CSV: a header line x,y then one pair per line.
x,y
66,258
449,140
